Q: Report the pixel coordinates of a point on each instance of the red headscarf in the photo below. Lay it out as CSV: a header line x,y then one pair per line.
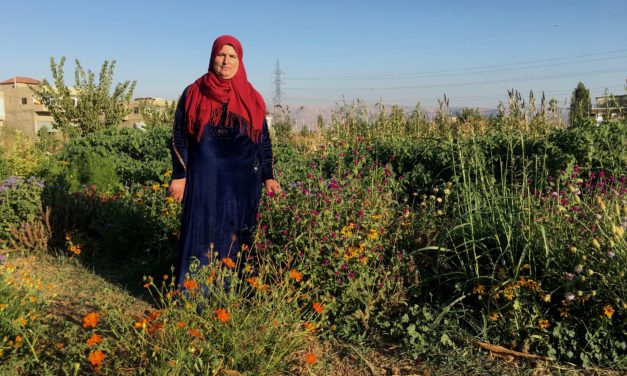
x,y
204,98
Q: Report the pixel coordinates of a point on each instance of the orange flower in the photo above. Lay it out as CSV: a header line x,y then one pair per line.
x,y
253,282
317,307
310,358
180,324
608,311
94,340
543,324
195,333
149,281
309,327
223,315
228,262
91,320
96,357
296,275
190,284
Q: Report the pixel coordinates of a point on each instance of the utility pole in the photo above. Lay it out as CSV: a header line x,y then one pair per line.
x,y
278,83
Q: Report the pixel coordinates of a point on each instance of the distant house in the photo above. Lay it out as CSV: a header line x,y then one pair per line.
x,y
19,109
609,106
134,118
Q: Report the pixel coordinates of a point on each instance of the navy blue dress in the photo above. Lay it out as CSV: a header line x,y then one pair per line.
x,y
223,172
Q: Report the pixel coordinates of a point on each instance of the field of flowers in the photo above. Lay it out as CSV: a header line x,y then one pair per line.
x,y
393,231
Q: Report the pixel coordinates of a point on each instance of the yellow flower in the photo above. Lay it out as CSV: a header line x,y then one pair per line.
x,y
479,289
494,316
563,312
347,230
508,293
543,324
608,310
155,187
596,244
372,234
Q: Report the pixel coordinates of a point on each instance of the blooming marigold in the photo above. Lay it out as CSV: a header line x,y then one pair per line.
x,y
311,328
194,333
228,262
317,307
91,320
190,284
94,340
96,357
543,324
608,310
296,275
310,358
222,315
180,324
253,282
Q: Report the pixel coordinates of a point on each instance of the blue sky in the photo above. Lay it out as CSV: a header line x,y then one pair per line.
x,y
397,52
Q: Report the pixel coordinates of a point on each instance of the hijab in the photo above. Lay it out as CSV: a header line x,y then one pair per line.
x,y
205,97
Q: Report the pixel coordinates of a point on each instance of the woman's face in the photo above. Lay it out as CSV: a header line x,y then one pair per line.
x,y
226,62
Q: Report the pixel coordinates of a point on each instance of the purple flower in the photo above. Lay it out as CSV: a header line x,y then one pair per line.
x,y
610,254
343,267
3,258
351,275
326,262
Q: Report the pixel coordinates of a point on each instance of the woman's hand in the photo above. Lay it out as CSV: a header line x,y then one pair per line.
x,y
273,186
177,189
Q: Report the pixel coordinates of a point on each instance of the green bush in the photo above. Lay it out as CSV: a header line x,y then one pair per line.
x,y
20,200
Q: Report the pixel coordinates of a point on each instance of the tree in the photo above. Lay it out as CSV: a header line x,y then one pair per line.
x,y
89,105
580,105
156,115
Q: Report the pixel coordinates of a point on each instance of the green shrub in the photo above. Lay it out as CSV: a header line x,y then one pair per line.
x,y
20,200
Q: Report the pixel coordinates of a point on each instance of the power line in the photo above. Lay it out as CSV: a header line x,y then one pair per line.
x,y
483,69
474,83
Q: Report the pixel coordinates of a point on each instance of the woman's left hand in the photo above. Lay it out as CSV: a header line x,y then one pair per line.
x,y
273,186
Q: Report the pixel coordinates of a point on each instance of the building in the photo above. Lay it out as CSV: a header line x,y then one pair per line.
x,y
609,107
19,109
134,118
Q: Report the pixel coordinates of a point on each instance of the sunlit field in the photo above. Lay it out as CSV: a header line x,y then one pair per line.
x,y
401,244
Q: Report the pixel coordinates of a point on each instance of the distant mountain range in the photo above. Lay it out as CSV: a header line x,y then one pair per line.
x,y
306,116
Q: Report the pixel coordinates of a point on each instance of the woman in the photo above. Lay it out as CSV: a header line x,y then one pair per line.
x,y
221,152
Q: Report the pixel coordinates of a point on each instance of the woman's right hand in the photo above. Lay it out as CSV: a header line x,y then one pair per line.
x,y
177,189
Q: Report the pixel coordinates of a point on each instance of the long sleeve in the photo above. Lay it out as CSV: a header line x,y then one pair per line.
x,y
265,154
178,149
